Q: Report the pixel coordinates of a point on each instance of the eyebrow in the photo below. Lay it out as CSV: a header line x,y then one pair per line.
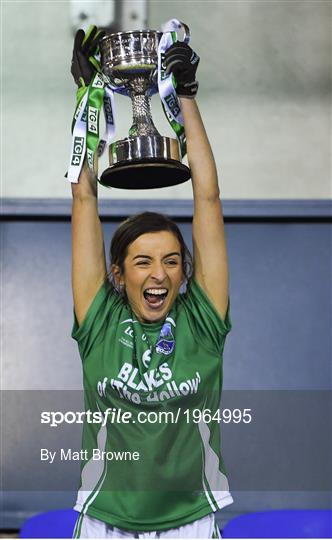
x,y
165,256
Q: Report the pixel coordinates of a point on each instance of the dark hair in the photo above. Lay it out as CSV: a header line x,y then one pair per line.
x,y
133,227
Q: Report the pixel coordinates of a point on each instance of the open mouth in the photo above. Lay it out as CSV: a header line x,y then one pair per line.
x,y
155,298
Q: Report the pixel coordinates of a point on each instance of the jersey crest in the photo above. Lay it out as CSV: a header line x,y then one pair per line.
x,y
166,341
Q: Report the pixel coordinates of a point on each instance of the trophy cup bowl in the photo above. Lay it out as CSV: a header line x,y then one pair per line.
x,y
145,159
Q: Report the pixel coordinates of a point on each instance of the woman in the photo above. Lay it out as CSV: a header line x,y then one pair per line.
x,y
146,349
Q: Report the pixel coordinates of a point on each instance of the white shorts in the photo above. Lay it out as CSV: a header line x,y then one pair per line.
x,y
88,527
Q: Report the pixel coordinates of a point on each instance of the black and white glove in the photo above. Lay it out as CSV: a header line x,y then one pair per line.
x,y
182,61
83,65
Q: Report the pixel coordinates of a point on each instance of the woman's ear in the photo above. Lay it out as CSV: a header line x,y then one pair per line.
x,y
116,273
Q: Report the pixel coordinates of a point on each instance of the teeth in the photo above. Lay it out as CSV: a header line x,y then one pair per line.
x,y
156,291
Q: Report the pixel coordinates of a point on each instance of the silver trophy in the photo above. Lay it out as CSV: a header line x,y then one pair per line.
x,y
145,159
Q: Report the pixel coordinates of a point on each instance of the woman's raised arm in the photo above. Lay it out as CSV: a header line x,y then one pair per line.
x,y
210,256
88,252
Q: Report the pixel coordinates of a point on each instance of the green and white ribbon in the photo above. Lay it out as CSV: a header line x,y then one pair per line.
x,y
108,105
78,146
95,103
85,128
166,82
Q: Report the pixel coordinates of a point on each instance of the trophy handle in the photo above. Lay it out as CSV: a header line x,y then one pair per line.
x,y
180,28
186,32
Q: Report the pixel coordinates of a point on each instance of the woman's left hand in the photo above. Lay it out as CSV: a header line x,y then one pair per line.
x,y
182,61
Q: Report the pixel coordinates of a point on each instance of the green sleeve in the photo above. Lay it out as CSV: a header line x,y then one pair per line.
x,y
94,325
206,324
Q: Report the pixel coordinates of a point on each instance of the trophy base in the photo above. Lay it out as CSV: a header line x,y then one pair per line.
x,y
149,173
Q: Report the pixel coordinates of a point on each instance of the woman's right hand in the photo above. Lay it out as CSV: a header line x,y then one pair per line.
x,y
85,47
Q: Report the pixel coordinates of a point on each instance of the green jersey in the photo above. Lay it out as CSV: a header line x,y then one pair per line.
x,y
152,458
